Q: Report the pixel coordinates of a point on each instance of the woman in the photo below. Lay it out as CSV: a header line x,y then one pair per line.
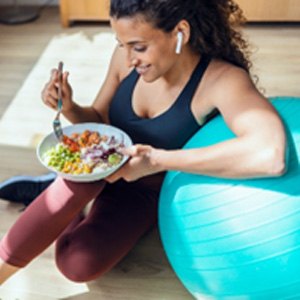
x,y
178,63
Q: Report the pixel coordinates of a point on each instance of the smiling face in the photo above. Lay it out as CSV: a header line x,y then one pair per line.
x,y
149,50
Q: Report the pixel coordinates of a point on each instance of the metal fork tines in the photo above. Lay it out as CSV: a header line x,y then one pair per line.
x,y
56,123
57,127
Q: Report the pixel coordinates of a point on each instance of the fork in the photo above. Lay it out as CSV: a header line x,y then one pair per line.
x,y
56,123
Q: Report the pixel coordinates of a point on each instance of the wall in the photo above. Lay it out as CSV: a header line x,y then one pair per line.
x,y
29,2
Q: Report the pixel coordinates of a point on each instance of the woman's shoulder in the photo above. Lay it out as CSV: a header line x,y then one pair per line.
x,y
224,72
225,78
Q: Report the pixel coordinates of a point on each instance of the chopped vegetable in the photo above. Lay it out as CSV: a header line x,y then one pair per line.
x,y
84,153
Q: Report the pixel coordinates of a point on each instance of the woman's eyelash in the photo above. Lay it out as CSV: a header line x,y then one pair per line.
x,y
140,49
136,48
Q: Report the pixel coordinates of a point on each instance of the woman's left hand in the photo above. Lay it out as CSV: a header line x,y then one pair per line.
x,y
142,163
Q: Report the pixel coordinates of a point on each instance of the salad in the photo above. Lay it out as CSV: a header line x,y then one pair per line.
x,y
84,153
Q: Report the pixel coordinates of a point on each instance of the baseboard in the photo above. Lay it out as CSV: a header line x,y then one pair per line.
x,y
29,2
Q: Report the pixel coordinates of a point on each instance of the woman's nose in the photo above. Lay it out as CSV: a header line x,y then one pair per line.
x,y
134,62
131,61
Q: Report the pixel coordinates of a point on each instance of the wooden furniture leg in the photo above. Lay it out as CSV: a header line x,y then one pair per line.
x,y
64,13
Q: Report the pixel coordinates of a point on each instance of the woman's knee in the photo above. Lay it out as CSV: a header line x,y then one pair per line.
x,y
79,266
78,270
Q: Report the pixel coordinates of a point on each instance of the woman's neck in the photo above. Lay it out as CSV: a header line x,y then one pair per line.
x,y
182,69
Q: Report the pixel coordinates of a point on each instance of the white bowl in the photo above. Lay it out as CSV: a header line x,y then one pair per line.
x,y
51,141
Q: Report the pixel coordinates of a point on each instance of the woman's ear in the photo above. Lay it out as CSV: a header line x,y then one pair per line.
x,y
182,30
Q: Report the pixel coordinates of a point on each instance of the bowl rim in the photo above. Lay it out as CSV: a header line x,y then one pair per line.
x,y
91,176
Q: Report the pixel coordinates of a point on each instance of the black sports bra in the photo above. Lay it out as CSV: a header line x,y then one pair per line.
x,y
171,129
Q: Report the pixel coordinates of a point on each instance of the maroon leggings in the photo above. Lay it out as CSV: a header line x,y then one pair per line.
x,y
86,247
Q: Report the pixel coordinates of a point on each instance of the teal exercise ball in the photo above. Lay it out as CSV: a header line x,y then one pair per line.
x,y
235,239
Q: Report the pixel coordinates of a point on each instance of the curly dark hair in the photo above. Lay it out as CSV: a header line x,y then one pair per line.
x,y
215,24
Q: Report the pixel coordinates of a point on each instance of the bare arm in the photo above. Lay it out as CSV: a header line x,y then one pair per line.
x,y
259,147
98,111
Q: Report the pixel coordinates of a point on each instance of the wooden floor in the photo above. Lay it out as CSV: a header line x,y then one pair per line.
x,y
145,273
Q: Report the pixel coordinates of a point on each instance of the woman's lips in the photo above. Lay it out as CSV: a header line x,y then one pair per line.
x,y
142,69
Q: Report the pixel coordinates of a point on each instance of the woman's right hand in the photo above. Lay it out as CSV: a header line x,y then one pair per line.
x,y
50,92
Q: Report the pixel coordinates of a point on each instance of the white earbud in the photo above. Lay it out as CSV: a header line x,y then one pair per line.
x,y
179,42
